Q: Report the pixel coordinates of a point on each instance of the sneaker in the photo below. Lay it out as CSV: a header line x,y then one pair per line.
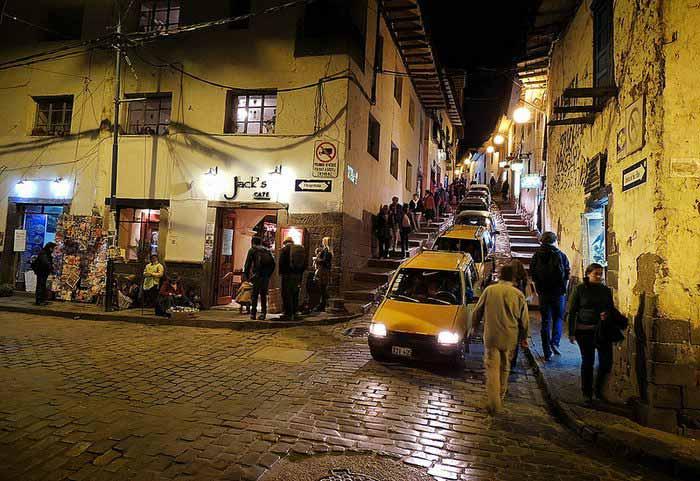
x,y
555,350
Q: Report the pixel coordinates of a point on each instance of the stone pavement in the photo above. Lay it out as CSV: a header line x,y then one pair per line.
x,y
115,401
211,318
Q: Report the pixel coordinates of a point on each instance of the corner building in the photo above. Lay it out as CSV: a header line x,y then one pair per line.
x,y
299,121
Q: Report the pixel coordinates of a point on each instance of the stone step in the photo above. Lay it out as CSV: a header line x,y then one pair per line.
x,y
377,275
523,247
532,238
518,228
523,257
362,295
384,263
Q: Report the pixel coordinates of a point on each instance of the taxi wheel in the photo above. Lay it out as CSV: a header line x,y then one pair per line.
x,y
378,354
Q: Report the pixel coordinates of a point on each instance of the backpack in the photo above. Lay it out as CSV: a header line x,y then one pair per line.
x,y
264,263
297,258
550,270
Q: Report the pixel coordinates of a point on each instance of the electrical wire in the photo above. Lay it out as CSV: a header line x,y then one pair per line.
x,y
51,54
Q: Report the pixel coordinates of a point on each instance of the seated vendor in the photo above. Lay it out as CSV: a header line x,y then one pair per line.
x,y
171,295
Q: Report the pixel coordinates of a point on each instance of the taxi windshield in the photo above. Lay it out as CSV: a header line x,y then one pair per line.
x,y
470,246
427,286
471,220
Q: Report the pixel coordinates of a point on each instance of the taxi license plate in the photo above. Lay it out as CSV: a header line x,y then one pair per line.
x,y
401,351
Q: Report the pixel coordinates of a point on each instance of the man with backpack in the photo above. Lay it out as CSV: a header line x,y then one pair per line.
x,y
550,270
292,267
259,266
42,267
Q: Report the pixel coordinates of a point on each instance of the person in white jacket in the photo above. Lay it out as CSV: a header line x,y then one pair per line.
x,y
503,310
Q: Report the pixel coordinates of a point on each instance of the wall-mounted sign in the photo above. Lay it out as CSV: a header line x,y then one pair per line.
x,y
227,242
630,138
254,183
685,167
354,175
530,181
303,185
325,160
20,240
634,175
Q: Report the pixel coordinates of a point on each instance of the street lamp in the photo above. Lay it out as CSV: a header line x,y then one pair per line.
x,y
522,115
490,149
498,139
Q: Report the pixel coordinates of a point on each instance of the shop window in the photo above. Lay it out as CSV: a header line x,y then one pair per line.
x,y
53,115
254,113
398,88
40,222
394,164
409,175
373,136
159,15
593,233
150,116
412,113
238,8
603,69
138,232
64,23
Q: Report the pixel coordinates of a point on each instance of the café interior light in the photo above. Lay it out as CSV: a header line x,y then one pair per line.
x,y
499,139
522,115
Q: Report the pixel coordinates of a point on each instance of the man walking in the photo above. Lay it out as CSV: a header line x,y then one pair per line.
x,y
292,266
395,216
550,270
259,266
42,267
503,309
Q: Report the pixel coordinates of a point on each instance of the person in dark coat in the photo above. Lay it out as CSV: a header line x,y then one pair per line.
x,y
550,270
43,267
291,277
324,262
383,232
395,217
505,189
259,266
591,304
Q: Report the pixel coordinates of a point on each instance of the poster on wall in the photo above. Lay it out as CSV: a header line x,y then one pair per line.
x,y
325,163
20,240
227,242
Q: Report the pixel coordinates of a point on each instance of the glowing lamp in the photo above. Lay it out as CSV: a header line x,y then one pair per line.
x,y
490,149
499,139
60,188
25,188
522,115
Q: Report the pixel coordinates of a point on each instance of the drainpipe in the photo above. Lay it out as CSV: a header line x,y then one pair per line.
x,y
373,100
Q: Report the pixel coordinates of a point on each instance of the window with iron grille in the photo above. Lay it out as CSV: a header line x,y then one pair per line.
x,y
150,116
373,136
53,115
603,55
394,164
159,15
398,88
252,113
409,175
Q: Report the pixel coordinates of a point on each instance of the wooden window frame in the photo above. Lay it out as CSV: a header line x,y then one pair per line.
x,y
394,162
398,88
147,128
150,7
373,145
233,105
412,113
409,175
65,102
603,43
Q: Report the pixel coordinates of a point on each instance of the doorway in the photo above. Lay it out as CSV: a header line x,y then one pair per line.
x,y
39,221
593,232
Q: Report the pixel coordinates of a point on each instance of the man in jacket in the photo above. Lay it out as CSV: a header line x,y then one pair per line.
x,y
550,270
42,267
292,264
395,217
503,310
259,266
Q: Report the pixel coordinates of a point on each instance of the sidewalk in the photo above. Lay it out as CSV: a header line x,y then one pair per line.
x,y
610,426
212,318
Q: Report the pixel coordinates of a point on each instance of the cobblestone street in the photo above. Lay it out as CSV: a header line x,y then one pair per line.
x,y
85,400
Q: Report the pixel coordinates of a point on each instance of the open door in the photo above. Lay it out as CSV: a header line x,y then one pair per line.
x,y
224,275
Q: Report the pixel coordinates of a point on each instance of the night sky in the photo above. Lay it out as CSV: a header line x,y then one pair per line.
x,y
485,39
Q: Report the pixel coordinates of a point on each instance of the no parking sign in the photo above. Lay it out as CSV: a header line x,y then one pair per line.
x,y
325,159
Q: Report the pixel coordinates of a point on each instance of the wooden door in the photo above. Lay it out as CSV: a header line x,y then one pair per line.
x,y
224,240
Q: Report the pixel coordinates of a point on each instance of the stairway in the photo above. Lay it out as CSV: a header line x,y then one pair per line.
x,y
523,241
378,272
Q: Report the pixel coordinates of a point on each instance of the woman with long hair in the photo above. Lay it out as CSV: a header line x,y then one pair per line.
x,y
590,306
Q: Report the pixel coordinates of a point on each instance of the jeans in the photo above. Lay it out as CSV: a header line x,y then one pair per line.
x,y
552,309
497,363
41,292
261,286
290,294
587,344
384,247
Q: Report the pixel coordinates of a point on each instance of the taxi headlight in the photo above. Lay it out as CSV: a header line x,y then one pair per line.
x,y
448,338
377,329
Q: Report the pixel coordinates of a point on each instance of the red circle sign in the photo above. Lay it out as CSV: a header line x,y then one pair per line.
x,y
325,152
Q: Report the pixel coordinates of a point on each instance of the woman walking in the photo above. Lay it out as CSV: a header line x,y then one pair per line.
x,y
590,307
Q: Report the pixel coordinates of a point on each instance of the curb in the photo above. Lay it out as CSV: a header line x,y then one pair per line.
x,y
248,325
684,467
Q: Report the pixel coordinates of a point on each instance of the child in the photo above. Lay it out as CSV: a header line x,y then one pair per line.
x,y
244,297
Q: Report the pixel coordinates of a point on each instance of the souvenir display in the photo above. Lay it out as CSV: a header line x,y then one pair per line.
x,y
80,258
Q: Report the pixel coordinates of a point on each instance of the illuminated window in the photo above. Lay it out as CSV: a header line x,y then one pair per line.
x,y
150,116
159,15
255,113
138,232
53,115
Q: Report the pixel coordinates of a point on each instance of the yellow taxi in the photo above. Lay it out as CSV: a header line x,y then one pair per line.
x,y
476,241
427,311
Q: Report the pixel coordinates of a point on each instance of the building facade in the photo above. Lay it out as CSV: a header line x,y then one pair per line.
x,y
622,176
285,122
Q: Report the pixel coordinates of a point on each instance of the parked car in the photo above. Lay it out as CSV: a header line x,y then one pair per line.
x,y
427,311
473,203
474,190
475,241
478,218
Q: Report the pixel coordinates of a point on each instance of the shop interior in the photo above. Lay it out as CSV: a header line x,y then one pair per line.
x,y
593,232
40,223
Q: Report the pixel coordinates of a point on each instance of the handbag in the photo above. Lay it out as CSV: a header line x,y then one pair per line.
x,y
612,329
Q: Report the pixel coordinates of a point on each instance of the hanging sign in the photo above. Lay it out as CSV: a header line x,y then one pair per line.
x,y
302,185
634,175
325,160
20,240
530,181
